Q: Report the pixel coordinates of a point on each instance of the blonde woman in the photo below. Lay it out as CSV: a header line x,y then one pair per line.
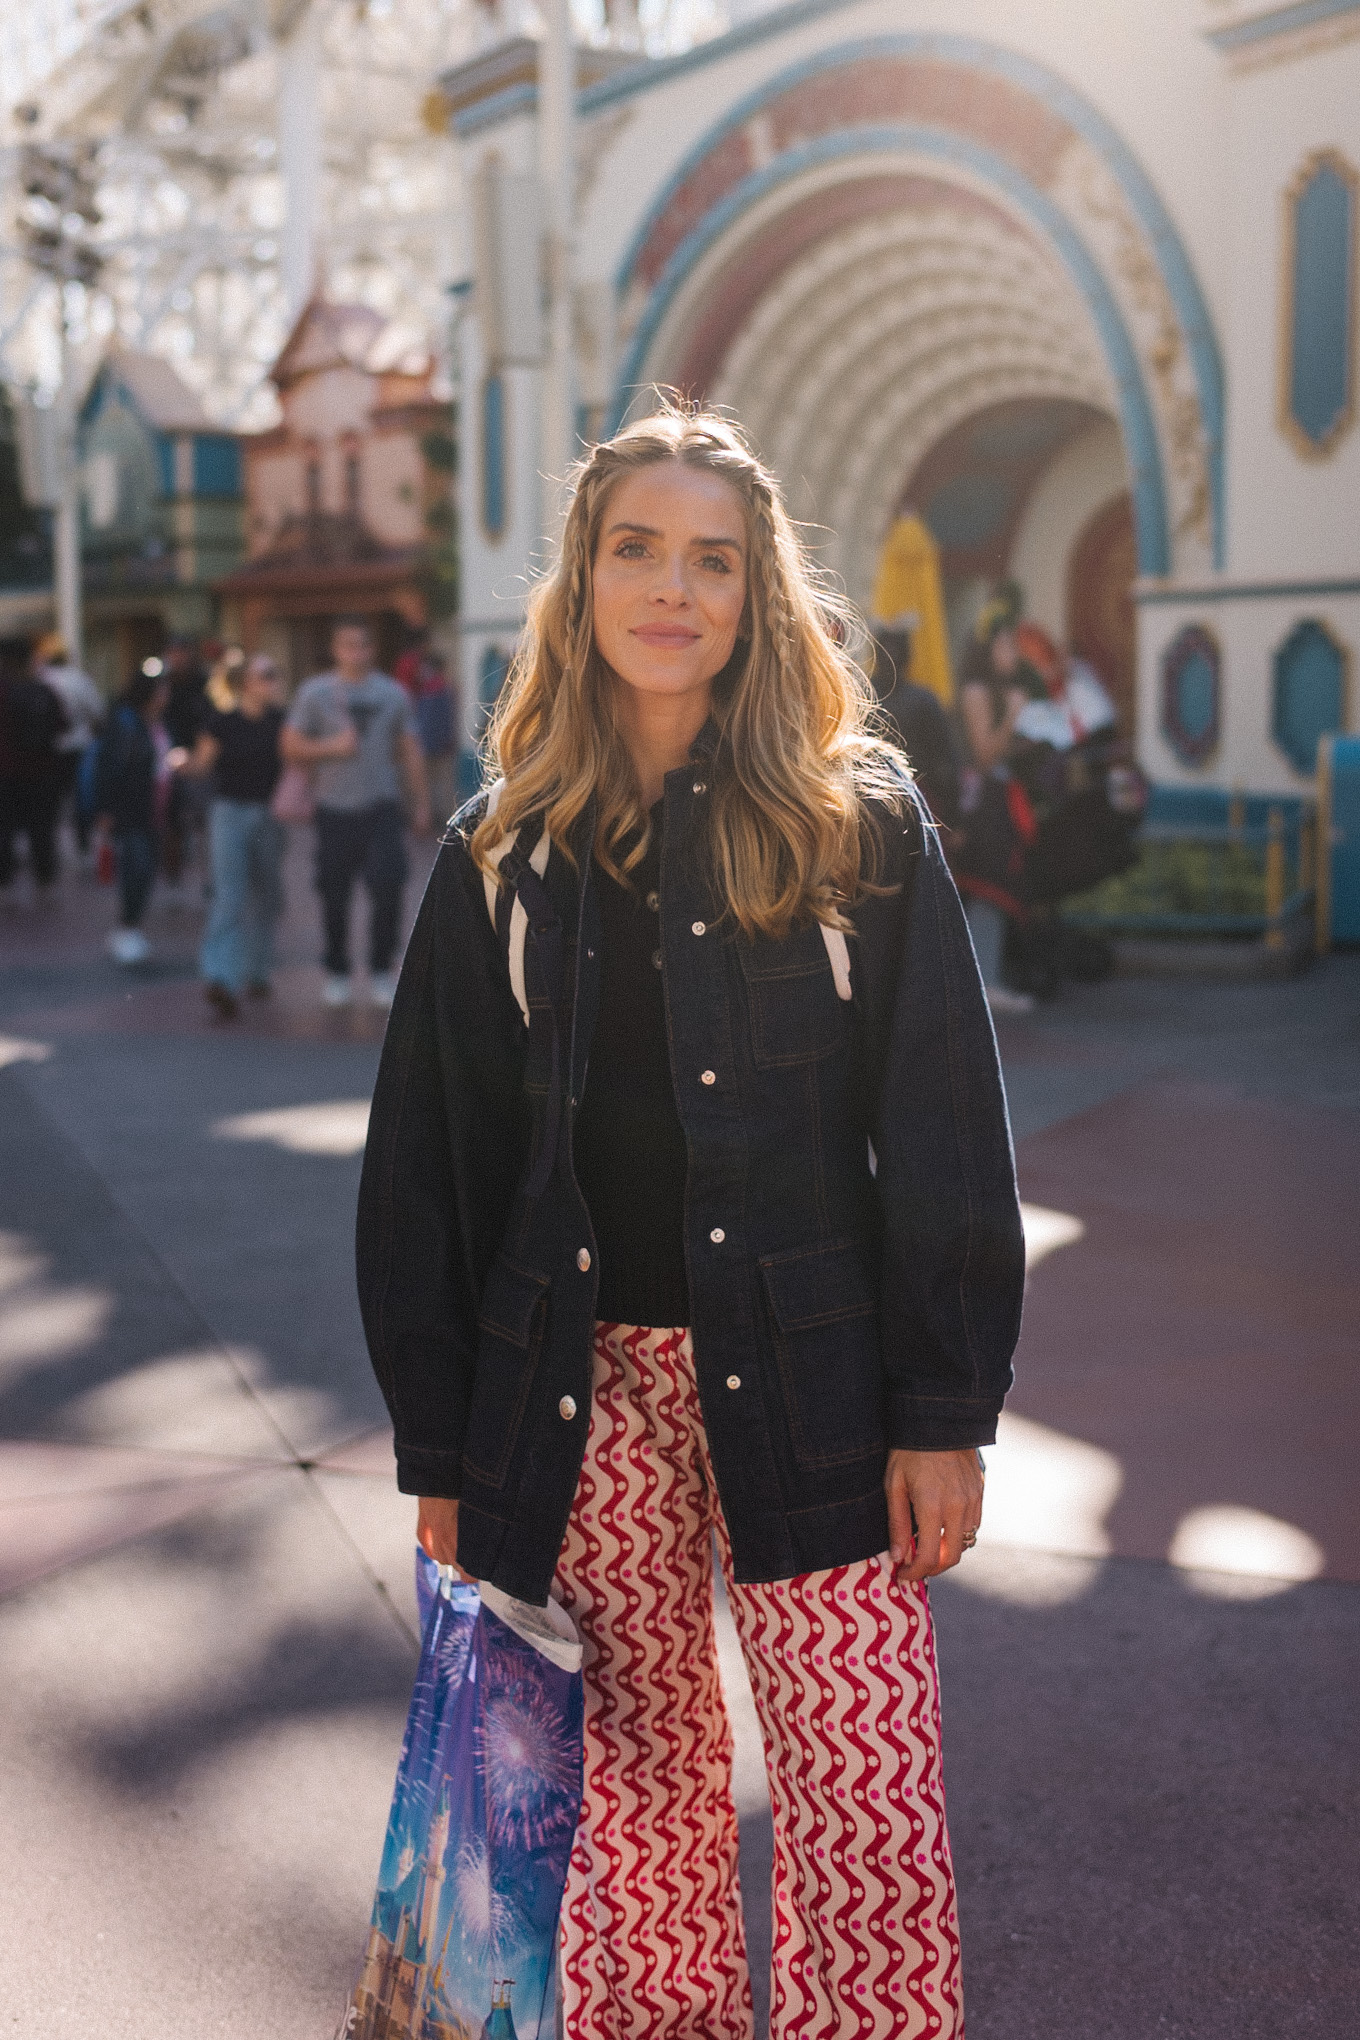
x,y
238,744
688,1212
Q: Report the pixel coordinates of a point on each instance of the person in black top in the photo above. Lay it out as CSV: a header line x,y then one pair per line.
x,y
240,748
186,677
919,725
629,1143
127,771
688,1218
32,723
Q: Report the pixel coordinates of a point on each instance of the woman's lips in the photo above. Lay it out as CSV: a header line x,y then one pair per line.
x,y
665,634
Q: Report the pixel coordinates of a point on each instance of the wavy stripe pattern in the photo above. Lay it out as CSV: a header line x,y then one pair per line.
x,y
842,1665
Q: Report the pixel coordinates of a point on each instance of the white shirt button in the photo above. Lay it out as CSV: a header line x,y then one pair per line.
x,y
708,1076
734,1381
700,786
653,903
696,927
566,1409
583,1260
717,1236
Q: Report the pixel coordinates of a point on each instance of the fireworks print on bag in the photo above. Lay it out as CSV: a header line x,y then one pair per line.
x,y
462,1942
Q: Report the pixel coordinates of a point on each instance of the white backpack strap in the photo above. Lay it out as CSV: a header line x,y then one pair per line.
x,y
519,920
838,949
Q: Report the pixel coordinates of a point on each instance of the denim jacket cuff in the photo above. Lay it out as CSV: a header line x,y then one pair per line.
x,y
424,1471
919,1423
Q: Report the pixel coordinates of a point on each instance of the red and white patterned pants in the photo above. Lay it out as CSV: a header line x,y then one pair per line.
x,y
842,1665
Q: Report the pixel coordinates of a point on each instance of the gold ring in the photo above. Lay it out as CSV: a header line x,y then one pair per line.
x,y
969,1539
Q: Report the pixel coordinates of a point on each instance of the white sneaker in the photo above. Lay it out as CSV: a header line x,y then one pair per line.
x,y
128,945
1002,999
338,991
382,988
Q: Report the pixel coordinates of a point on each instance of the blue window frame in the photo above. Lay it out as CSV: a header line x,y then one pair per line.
x,y
1191,694
1309,693
1318,395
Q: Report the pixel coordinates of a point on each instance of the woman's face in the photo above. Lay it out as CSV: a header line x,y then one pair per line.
x,y
669,578
259,686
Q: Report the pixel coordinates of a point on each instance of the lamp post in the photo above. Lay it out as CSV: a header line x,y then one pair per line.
x,y
300,141
58,181
557,176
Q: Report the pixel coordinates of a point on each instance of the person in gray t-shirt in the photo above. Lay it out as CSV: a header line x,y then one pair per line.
x,y
355,729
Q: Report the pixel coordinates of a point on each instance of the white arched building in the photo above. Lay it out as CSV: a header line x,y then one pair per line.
x,y
1076,282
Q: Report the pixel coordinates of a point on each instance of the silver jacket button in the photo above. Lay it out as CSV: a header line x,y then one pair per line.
x,y
734,1381
567,1407
583,1260
696,927
700,786
717,1236
708,1077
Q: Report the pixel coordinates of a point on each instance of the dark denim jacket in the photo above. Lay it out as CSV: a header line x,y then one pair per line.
x,y
853,1234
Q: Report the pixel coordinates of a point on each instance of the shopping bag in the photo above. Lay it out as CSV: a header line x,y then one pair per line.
x,y
294,800
462,1943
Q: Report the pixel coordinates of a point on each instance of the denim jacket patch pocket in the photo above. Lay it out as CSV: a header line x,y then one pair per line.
x,y
825,1320
511,1326
796,1014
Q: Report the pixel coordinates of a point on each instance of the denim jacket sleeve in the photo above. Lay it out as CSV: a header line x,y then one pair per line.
x,y
446,1145
953,1267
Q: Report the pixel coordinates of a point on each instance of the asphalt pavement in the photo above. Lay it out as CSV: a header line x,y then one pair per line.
x,y
206,1610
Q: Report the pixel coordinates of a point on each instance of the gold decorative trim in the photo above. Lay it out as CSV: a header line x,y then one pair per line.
x,y
1306,448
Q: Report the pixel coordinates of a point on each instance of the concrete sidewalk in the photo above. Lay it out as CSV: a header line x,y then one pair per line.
x,y
207,1615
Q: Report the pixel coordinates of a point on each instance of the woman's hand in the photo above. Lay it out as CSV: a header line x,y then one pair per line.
x,y
437,1533
943,1491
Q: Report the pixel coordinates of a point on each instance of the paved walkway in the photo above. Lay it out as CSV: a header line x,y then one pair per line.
x,y
205,1602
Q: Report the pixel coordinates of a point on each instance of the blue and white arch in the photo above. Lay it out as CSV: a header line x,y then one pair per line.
x,y
1056,229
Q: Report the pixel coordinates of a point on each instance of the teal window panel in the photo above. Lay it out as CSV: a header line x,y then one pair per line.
x,y
491,679
493,456
165,461
217,465
1192,687
1309,694
1322,301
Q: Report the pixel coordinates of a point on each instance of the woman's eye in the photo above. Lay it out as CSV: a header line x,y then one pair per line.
x,y
716,563
630,549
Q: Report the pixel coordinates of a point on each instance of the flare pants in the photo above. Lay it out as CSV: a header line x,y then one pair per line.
x,y
842,1667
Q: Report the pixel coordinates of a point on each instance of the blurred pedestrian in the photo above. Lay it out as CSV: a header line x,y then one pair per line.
x,y
434,698
992,695
239,746
917,723
85,709
356,727
32,724
127,780
186,676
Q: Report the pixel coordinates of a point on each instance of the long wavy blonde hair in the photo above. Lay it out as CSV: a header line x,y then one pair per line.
x,y
797,754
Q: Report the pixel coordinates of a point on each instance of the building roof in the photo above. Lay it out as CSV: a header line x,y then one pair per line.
x,y
162,399
328,336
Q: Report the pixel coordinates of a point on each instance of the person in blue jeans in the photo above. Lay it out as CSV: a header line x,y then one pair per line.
x,y
125,782
356,728
240,747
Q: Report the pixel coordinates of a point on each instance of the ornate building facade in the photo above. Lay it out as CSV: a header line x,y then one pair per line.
x,y
348,508
1077,284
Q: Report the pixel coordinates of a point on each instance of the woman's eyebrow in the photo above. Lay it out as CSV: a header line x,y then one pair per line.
x,y
651,531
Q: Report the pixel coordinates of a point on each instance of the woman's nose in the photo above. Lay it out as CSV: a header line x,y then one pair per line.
x,y
672,582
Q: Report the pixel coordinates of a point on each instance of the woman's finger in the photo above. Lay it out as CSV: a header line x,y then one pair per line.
x,y
901,1533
